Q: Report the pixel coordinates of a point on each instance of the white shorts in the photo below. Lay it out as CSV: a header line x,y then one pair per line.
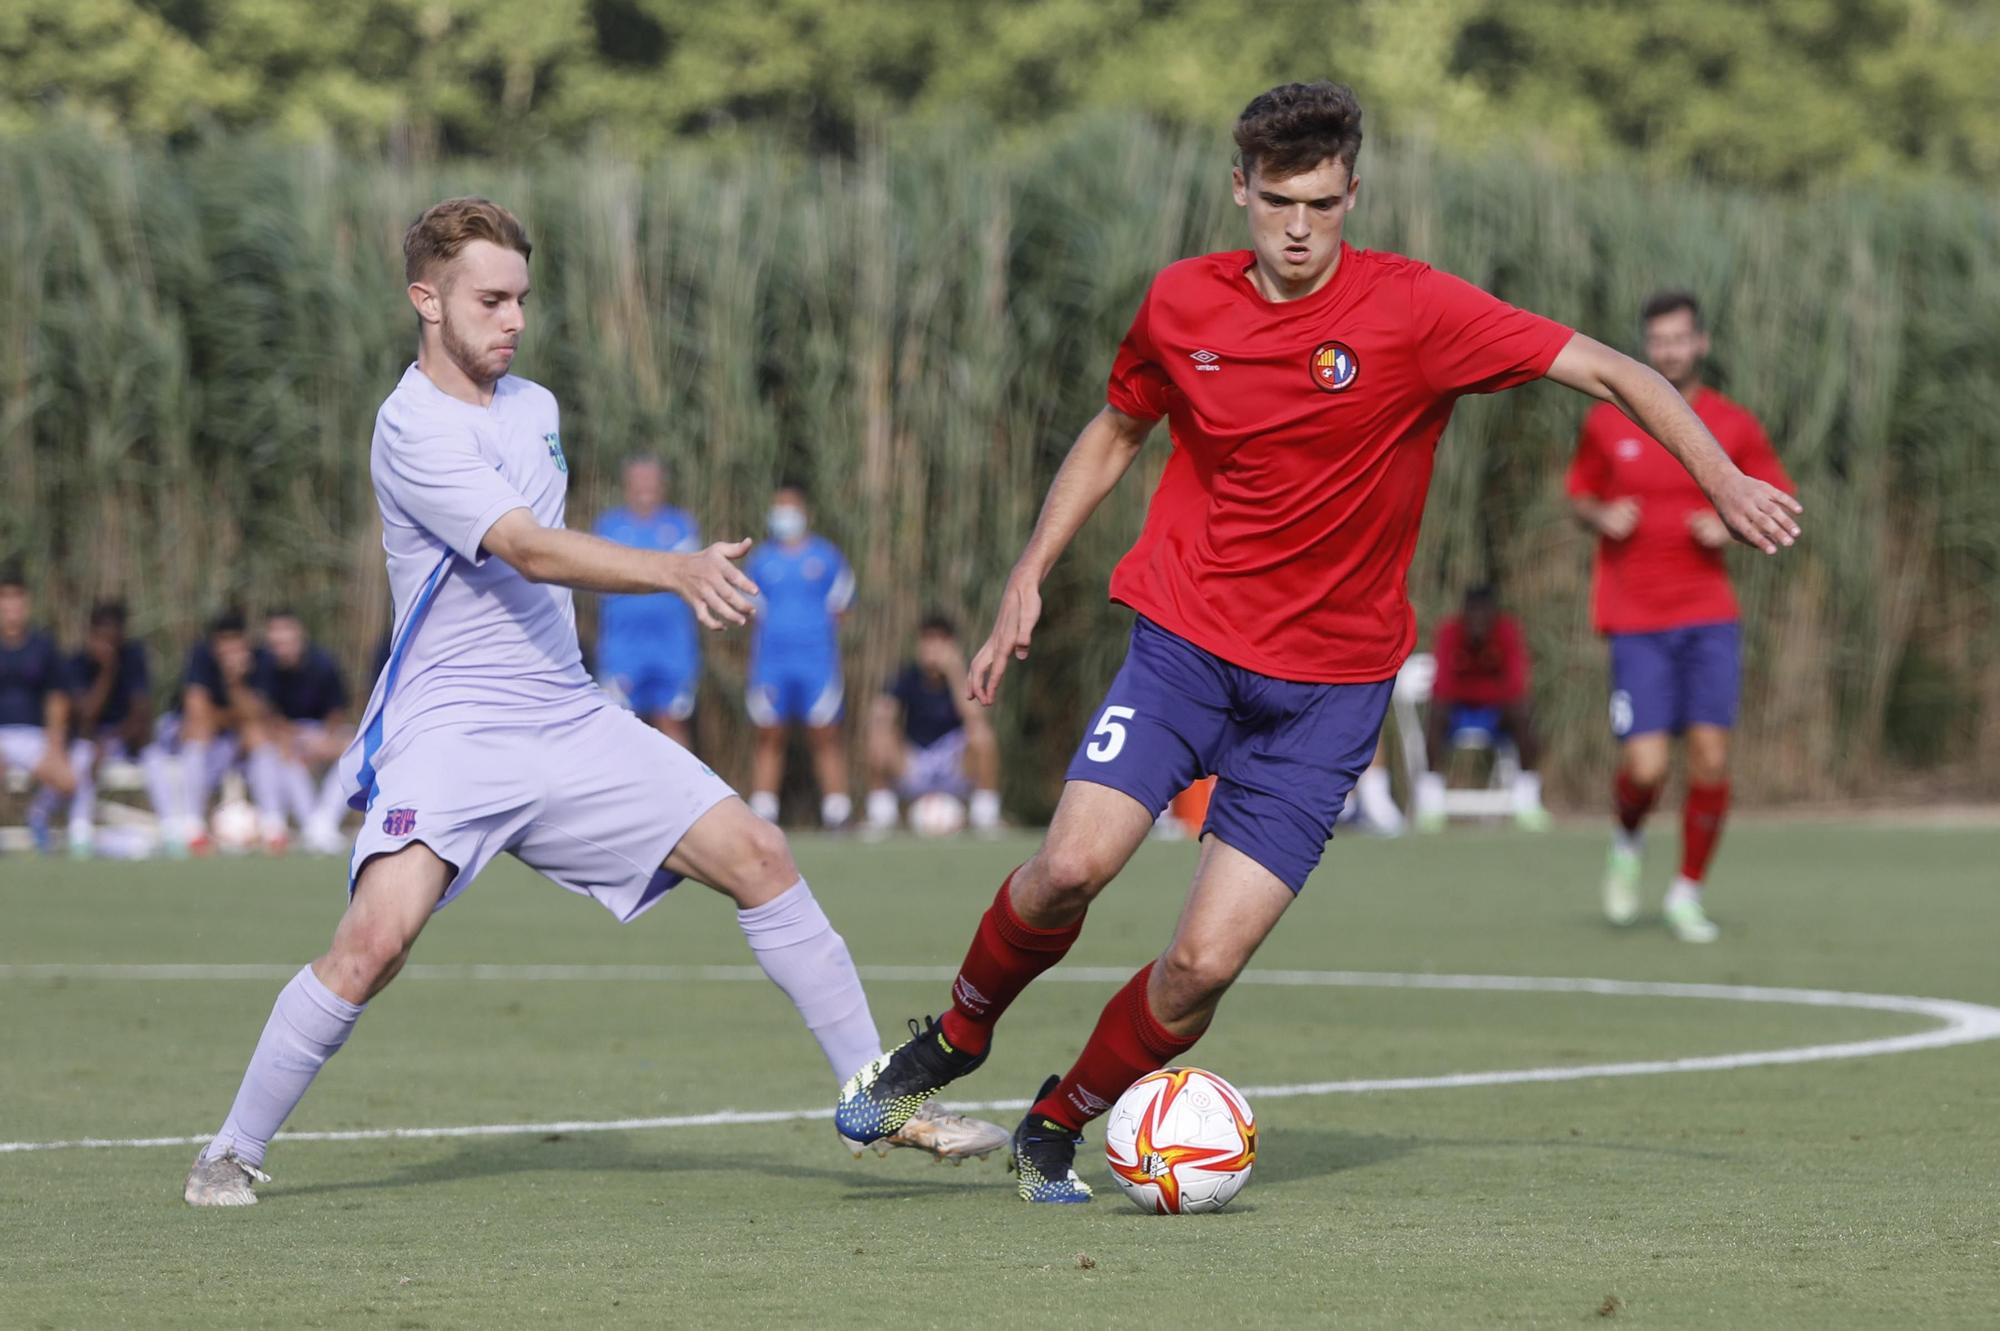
x,y
594,804
22,747
937,767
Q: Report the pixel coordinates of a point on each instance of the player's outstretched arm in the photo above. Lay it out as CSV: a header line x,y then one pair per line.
x,y
1756,512
1100,455
720,593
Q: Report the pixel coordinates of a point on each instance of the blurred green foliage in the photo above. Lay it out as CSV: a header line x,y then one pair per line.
x,y
1789,93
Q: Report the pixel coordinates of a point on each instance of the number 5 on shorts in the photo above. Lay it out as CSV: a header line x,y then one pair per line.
x,y
1109,737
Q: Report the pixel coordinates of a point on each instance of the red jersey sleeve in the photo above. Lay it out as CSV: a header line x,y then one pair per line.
x,y
1589,470
1139,384
1757,458
1471,342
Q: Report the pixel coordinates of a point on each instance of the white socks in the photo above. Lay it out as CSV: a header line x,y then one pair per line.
x,y
835,810
308,1025
764,803
984,810
883,810
795,944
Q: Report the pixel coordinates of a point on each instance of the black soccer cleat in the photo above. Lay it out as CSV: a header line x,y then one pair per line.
x,y
1044,1156
878,1100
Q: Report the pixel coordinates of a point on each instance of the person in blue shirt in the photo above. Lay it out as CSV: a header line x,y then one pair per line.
x,y
34,706
220,719
305,707
648,653
806,586
111,713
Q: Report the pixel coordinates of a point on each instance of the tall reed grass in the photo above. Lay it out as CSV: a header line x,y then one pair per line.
x,y
193,344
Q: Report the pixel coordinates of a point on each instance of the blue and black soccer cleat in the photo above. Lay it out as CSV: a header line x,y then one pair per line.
x,y
878,1100
1044,1156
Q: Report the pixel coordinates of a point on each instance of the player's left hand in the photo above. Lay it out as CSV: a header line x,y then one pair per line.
x,y
1707,529
1757,513
720,593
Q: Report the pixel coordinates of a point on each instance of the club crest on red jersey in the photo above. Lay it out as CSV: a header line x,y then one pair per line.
x,y
1334,367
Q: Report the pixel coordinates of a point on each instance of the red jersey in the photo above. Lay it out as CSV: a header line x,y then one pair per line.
x,y
1660,577
1281,533
1492,674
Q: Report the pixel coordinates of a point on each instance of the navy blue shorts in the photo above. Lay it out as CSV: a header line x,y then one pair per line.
x,y
1676,678
1285,753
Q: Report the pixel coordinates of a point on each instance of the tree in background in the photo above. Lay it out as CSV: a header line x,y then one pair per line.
x,y
1787,93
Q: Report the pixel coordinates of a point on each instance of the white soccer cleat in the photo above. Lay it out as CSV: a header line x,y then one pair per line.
x,y
940,1134
1621,885
224,1182
1684,916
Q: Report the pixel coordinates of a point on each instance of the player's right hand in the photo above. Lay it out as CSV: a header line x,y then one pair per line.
x,y
1619,518
721,593
1020,607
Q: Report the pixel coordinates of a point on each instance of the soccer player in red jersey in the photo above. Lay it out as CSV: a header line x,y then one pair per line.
x,y
1306,383
1660,592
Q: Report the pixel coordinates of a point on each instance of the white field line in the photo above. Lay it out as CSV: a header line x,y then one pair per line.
x,y
1958,1023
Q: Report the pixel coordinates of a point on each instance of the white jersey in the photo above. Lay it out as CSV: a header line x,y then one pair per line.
x,y
475,643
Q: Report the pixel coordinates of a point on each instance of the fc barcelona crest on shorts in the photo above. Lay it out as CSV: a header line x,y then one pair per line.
x,y
555,451
1334,367
402,822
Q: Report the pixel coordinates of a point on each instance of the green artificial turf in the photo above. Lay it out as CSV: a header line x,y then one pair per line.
x,y
1859,1192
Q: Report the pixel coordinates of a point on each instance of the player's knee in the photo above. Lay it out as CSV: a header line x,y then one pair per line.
x,y
767,856
1195,971
1646,769
1070,875
365,958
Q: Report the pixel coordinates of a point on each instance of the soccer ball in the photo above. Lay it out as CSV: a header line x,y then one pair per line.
x,y
234,826
1181,1141
936,814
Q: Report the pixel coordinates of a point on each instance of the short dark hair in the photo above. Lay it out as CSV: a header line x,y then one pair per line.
x,y
1481,593
1669,301
1295,127
12,576
281,612
228,620
108,614
937,621
795,485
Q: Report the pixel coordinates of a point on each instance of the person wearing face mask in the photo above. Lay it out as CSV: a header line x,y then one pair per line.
x,y
806,587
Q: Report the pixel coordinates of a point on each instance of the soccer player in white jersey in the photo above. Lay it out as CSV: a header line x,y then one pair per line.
x,y
484,733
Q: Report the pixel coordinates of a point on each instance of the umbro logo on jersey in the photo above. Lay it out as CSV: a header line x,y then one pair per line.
x,y
1205,360
1334,367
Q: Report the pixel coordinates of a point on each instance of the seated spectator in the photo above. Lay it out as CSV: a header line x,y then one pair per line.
x,y
111,707
305,707
34,707
1482,689
925,735
219,719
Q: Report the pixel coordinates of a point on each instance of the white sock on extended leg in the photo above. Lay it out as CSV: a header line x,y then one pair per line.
x,y
764,803
835,810
795,944
308,1024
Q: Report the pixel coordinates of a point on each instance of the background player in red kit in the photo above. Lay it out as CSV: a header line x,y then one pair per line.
x,y
1660,592
1481,685
1306,384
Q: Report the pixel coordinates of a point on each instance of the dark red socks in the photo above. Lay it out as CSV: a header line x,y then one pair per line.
x,y
1005,956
